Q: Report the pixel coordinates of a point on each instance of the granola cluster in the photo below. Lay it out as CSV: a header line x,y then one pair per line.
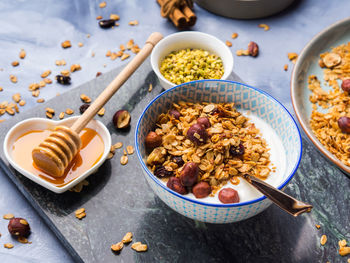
x,y
233,145
330,105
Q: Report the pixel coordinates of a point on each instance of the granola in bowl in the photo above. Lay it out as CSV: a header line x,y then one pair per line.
x,y
330,117
200,148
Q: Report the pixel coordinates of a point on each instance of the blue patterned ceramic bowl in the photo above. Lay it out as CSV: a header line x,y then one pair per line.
x,y
246,99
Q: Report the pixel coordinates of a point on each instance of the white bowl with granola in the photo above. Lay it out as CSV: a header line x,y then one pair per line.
x,y
196,140
188,56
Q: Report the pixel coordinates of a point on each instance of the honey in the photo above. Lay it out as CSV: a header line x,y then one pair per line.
x,y
90,153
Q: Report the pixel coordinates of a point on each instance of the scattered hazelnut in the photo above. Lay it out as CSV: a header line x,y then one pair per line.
x,y
174,184
19,227
204,121
253,49
228,195
197,134
344,124
121,119
174,113
153,140
346,85
201,190
189,174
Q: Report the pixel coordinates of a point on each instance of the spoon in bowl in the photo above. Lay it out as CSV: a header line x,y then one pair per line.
x,y
284,201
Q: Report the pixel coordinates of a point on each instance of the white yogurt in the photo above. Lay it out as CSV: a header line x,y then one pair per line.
x,y
278,159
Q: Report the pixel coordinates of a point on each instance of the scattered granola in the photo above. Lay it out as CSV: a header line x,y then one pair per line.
x,y
85,98
228,43
8,245
127,238
150,87
46,73
22,54
98,17
23,240
22,103
79,187
69,111
242,52
15,63
61,116
118,145
117,247
41,100
130,149
323,240
16,97
139,247
8,216
133,23
130,44
80,213
124,160
234,35
318,226
75,67
125,56
110,155
80,44
285,67
13,78
61,62
114,17
293,57
65,73
102,4
264,26
66,44
101,112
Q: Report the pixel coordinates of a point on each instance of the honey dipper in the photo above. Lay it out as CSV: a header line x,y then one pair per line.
x,y
55,153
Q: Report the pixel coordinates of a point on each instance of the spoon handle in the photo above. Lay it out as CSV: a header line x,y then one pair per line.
x,y
112,88
284,201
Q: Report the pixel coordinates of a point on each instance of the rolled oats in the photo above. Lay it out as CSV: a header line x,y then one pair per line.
x,y
114,17
101,112
69,111
40,100
264,26
118,145
15,63
124,159
80,213
16,97
139,247
117,247
85,98
61,116
46,73
22,54
8,245
323,240
130,44
228,43
125,56
102,4
47,80
13,78
8,216
130,149
75,67
127,238
234,35
133,23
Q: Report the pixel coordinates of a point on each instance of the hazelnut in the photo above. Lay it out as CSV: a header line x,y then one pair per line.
x,y
175,114
174,184
121,119
201,190
153,140
253,49
204,121
19,227
197,134
228,195
189,174
344,124
346,85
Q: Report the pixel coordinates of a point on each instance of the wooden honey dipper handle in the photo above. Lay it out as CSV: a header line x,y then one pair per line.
x,y
130,68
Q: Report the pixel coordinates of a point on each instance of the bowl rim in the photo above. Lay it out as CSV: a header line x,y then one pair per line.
x,y
154,63
296,106
185,198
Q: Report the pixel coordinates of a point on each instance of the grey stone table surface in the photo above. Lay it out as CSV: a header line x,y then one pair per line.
x,y
40,26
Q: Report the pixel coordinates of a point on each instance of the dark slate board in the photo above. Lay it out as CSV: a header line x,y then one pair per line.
x,y
118,200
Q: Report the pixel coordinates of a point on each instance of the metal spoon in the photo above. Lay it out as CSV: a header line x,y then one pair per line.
x,y
284,201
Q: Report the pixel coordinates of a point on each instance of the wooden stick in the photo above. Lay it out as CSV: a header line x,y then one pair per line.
x,y
102,99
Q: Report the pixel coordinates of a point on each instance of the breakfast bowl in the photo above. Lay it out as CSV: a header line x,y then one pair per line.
x,y
276,126
38,124
190,40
